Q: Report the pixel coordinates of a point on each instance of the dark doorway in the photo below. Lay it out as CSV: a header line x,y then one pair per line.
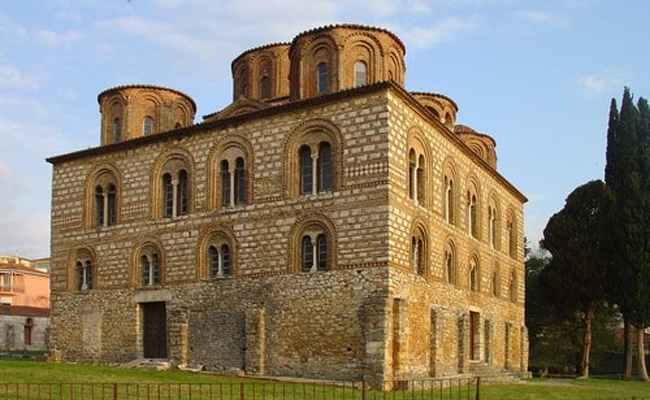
x,y
154,334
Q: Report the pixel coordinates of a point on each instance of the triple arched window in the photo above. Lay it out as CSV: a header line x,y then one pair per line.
x,y
316,173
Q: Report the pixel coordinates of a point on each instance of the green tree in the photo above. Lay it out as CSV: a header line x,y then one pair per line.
x,y
626,173
578,239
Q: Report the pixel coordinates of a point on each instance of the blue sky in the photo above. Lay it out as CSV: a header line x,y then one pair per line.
x,y
536,75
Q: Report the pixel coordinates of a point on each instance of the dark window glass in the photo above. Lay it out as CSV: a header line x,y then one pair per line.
x,y
225,259
168,195
88,269
321,245
225,183
117,130
214,261
265,88
321,78
80,275
146,270
182,193
240,181
155,268
325,167
99,204
306,171
112,206
307,254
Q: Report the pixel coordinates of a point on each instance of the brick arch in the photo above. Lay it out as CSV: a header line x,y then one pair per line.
x,y
321,48
301,224
206,236
241,81
84,251
361,46
102,172
115,108
395,66
178,156
232,143
143,244
311,133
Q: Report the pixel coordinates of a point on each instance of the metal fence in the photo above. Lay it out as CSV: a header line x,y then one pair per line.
x,y
433,389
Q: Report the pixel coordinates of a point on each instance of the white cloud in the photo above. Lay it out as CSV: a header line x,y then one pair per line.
x,y
11,77
541,17
443,31
9,29
51,38
601,83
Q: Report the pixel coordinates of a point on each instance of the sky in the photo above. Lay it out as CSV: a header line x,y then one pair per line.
x,y
537,75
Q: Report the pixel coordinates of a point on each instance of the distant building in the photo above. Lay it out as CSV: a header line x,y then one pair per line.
x,y
24,305
327,223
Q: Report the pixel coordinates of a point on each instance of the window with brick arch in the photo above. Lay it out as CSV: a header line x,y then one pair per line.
x,y
314,251
417,178
232,179
316,169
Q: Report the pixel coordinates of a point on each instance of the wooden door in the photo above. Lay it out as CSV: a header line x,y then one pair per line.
x,y
154,335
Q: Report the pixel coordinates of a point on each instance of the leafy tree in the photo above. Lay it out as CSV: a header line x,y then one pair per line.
x,y
626,173
578,239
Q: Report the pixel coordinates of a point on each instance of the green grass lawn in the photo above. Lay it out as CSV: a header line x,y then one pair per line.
x,y
13,371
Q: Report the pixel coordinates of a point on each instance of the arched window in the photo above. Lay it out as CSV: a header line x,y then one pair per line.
x,y
99,206
416,178
150,268
29,329
360,74
265,88
472,226
474,275
322,84
325,167
420,179
495,281
314,250
512,287
511,234
168,195
492,226
117,130
412,175
216,255
240,181
450,264
306,171
182,193
449,200
147,126
225,184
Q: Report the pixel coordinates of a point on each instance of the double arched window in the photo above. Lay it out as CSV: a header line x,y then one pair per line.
x,y
84,269
233,182
419,251
314,254
313,246
105,205
315,169
175,186
102,201
416,177
217,254
219,260
451,274
150,266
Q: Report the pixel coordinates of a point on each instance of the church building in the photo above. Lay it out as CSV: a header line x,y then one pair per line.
x,y
327,223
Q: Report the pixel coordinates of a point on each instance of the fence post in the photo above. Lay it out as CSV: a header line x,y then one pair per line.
x,y
115,391
478,388
242,396
363,390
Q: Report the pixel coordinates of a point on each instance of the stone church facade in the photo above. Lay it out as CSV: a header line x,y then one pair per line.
x,y
327,223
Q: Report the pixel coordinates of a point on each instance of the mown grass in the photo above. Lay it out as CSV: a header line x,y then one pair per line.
x,y
13,372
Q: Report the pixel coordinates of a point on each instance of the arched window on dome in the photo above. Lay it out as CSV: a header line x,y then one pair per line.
x,y
265,88
322,83
147,126
117,130
360,74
